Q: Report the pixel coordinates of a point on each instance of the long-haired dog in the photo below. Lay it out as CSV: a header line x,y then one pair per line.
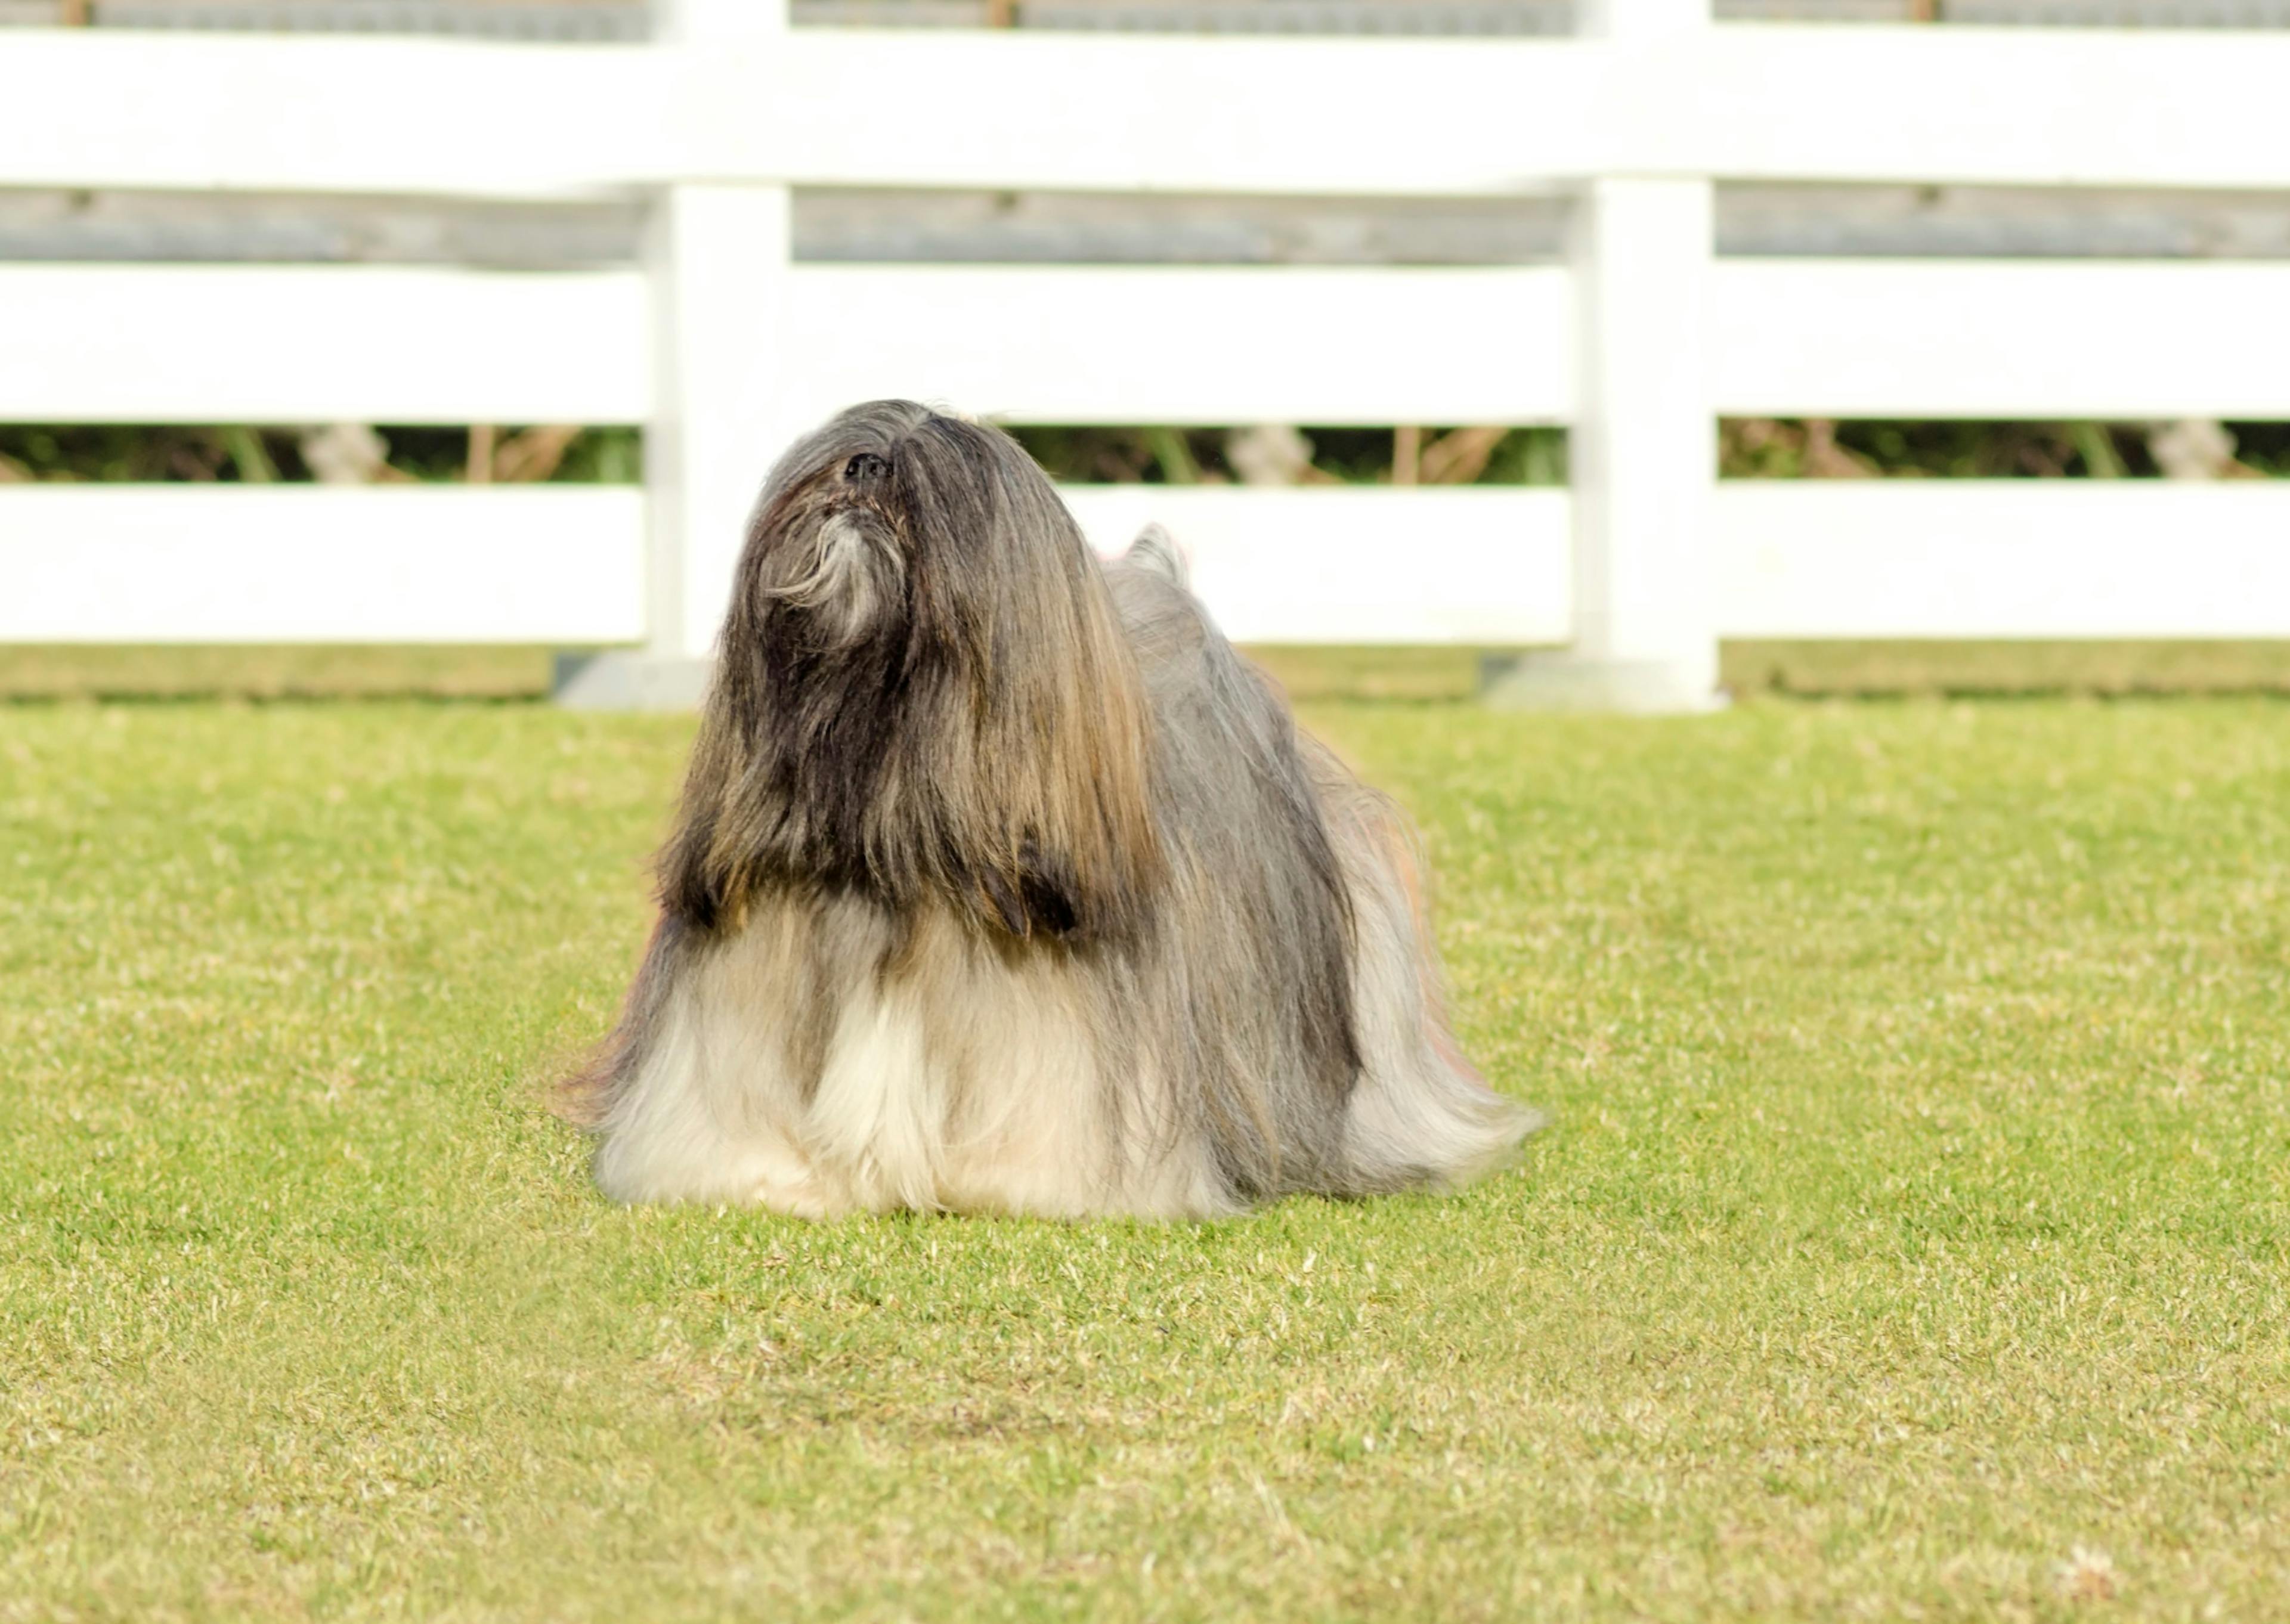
x,y
1001,883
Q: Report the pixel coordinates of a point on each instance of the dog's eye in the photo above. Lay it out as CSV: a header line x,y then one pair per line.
x,y
866,468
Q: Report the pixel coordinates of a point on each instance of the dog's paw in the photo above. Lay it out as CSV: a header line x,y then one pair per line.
x,y
801,1201
786,1182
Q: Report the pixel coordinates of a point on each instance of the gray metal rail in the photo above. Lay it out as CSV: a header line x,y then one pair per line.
x,y
626,19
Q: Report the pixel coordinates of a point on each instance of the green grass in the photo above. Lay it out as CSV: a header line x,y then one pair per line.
x,y
1914,1211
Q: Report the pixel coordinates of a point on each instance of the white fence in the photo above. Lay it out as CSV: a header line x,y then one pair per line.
x,y
722,346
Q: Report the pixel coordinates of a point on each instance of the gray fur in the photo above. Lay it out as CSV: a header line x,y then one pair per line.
x,y
1003,884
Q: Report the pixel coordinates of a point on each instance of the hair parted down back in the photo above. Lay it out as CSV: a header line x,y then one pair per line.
x,y
1001,883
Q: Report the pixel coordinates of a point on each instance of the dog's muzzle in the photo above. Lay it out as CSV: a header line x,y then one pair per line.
x,y
845,581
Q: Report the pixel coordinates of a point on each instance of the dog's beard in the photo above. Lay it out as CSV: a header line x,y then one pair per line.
x,y
840,586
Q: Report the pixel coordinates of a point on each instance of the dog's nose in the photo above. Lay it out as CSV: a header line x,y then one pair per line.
x,y
866,468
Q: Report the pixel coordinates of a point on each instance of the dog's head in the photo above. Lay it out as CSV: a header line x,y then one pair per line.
x,y
924,687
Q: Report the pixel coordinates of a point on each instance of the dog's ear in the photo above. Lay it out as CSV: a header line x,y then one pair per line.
x,y
1047,792
1041,903
1040,757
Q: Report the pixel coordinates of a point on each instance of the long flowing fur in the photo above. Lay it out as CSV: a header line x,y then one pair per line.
x,y
1002,883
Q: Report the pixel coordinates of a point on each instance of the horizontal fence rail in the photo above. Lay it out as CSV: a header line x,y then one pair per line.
x,y
391,344
1400,118
314,563
2003,559
2000,339
1486,565
145,343
322,343
720,346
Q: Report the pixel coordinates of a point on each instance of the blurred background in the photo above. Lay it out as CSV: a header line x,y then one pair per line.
x,y
895,226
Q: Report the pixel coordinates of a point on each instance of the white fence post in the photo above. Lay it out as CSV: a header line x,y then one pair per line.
x,y
716,258
1643,445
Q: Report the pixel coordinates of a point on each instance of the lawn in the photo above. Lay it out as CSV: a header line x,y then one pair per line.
x,y
1910,1240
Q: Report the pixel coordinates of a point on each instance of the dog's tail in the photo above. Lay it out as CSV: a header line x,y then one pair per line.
x,y
1421,1116
1156,551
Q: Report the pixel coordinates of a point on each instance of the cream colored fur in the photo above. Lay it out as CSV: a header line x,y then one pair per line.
x,y
956,1078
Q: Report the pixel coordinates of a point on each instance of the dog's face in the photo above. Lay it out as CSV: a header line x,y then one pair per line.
x,y
837,576
829,562
902,533
924,685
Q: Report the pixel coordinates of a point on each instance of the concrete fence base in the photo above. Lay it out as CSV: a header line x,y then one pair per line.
x,y
624,680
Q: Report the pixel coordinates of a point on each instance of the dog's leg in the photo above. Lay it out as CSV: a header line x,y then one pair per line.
x,y
694,1124
876,1115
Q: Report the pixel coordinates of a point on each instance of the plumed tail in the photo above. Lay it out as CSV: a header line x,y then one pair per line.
x,y
1156,551
1421,1116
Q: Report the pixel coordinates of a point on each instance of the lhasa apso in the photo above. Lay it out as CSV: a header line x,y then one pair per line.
x,y
1001,883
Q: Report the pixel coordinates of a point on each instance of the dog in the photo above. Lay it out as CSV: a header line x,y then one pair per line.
x,y
1002,885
